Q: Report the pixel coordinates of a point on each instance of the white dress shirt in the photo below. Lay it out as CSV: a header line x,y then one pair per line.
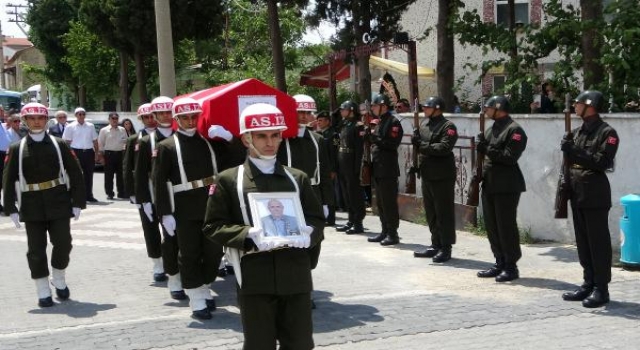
x,y
112,139
80,135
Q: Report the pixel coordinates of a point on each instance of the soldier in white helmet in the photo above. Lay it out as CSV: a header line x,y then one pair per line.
x,y
161,110
151,228
308,152
274,280
186,166
44,178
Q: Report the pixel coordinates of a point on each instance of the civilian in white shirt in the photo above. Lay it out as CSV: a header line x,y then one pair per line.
x,y
112,140
13,128
83,139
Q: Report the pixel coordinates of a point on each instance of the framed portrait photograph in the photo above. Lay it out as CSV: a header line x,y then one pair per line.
x,y
278,214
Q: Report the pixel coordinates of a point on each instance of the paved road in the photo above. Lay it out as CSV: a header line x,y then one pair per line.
x,y
369,297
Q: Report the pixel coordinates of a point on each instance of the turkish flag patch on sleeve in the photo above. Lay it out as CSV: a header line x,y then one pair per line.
x,y
212,189
451,132
612,140
74,154
516,137
394,131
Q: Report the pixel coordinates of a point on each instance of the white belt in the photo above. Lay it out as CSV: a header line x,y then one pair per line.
x,y
192,185
43,185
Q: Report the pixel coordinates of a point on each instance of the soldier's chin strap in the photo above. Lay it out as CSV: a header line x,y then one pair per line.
x,y
249,140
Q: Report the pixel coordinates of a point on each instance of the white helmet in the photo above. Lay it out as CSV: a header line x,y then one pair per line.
x,y
144,109
34,108
161,104
261,117
185,105
305,103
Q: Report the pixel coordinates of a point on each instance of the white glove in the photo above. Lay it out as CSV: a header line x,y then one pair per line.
x,y
132,199
219,131
76,213
325,210
300,242
148,209
15,217
169,223
254,233
306,230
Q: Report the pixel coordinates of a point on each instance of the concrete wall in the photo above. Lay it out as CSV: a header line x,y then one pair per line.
x,y
541,162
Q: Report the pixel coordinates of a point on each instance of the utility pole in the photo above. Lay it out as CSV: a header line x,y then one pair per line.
x,y
166,68
17,11
2,81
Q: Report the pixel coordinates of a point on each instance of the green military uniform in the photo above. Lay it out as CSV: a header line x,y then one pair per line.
x,y
385,139
151,230
502,184
349,164
276,284
143,172
438,175
596,144
312,157
332,143
199,258
48,208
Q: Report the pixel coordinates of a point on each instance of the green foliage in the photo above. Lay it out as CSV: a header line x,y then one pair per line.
x,y
93,64
562,32
479,229
45,34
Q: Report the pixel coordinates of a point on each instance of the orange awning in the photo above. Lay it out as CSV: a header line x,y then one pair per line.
x,y
319,75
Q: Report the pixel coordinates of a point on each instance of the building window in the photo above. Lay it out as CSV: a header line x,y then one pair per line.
x,y
498,83
502,12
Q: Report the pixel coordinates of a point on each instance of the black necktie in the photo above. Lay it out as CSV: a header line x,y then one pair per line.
x,y
62,128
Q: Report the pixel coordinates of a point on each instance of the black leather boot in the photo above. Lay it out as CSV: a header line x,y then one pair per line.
x,y
579,294
356,228
391,239
599,297
430,252
377,239
443,255
344,227
509,273
494,271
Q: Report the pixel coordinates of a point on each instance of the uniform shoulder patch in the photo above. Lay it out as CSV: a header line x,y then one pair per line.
x,y
154,153
612,140
516,137
451,132
137,147
212,189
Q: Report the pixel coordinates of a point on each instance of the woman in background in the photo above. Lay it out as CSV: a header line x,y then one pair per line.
x,y
127,124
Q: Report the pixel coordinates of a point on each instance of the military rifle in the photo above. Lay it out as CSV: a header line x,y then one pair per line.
x,y
365,168
563,191
415,167
473,194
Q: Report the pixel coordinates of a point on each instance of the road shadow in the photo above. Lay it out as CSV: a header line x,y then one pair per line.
x,y
562,254
331,316
178,303
544,283
221,319
100,203
467,264
74,308
622,309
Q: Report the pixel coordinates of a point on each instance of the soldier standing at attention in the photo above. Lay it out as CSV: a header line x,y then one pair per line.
x,y
185,167
274,285
307,152
50,192
331,143
385,140
590,153
502,184
435,141
147,152
349,163
151,228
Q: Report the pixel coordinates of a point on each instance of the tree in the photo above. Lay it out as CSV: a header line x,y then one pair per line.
x,y
592,41
380,19
45,34
446,53
91,62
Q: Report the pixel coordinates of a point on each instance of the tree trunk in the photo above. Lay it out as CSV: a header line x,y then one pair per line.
x,y
446,54
593,72
362,24
82,96
276,40
141,78
125,103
